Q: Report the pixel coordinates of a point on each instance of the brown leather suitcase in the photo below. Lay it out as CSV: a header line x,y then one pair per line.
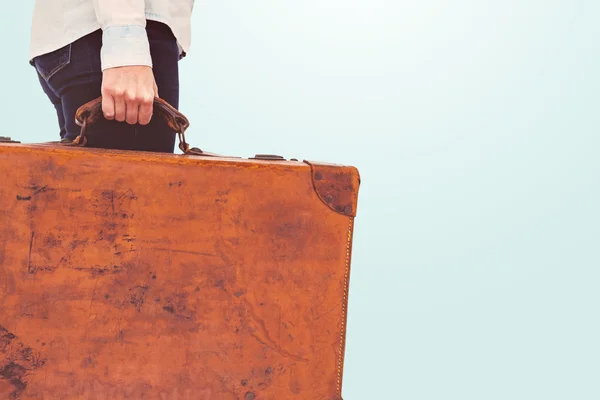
x,y
137,275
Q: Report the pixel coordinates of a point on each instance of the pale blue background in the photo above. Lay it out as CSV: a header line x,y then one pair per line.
x,y
475,127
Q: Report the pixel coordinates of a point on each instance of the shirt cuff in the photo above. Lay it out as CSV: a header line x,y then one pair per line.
x,y
125,45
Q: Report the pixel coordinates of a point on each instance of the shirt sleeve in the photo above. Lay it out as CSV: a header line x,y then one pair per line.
x,y
124,38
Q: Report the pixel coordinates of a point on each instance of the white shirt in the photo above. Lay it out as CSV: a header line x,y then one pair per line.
x,y
56,23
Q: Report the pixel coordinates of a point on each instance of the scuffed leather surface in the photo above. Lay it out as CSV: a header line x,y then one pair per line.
x,y
137,275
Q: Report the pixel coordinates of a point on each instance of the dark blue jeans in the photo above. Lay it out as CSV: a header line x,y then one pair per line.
x,y
72,76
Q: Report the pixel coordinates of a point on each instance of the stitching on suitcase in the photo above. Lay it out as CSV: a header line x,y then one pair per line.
x,y
344,310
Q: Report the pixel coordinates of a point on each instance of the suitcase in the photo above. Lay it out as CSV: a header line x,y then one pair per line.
x,y
138,275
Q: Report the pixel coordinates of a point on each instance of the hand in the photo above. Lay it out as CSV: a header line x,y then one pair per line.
x,y
128,94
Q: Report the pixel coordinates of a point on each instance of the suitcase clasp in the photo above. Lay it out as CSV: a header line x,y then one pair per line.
x,y
6,139
270,157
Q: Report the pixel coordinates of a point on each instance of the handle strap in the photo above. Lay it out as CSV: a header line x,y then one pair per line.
x,y
91,113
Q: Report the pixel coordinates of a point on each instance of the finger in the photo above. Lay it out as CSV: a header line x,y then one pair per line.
x,y
120,109
145,111
156,90
108,107
132,112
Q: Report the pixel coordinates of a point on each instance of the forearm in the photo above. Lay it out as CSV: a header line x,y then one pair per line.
x,y
124,38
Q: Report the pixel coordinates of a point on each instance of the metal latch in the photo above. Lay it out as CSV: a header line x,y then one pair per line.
x,y
6,139
271,157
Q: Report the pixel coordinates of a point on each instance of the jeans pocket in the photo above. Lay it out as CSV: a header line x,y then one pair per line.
x,y
50,63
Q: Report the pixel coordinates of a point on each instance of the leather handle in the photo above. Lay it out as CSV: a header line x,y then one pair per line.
x,y
91,113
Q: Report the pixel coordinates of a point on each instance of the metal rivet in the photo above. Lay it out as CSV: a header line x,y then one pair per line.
x,y
329,198
318,176
249,396
348,210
